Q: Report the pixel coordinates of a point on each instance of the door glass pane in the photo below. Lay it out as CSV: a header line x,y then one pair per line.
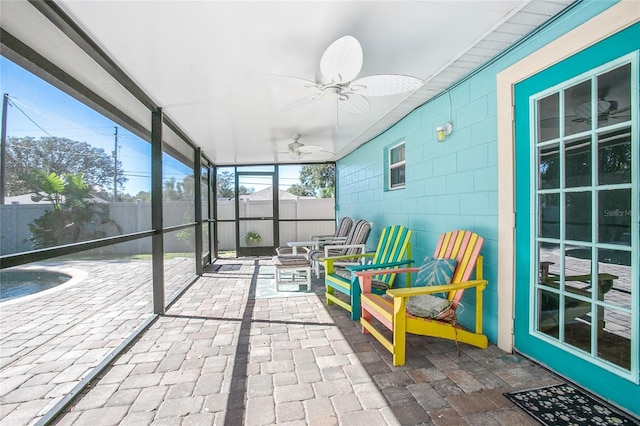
x,y
549,166
548,299
549,263
548,313
577,162
614,157
614,96
548,118
577,108
577,262
577,320
614,336
614,277
614,216
549,208
578,216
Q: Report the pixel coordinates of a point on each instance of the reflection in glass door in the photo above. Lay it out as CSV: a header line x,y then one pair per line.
x,y
584,294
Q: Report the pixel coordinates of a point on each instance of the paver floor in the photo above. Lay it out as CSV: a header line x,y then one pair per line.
x,y
221,356
51,340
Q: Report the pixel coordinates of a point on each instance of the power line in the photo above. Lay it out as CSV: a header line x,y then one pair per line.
x,y
76,136
28,118
69,125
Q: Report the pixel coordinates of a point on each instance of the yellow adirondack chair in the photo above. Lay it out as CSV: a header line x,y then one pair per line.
x,y
393,246
391,313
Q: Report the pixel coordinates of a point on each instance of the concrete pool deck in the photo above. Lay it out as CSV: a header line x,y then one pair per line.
x,y
221,355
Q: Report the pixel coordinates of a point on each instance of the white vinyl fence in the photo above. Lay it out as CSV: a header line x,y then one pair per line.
x,y
290,209
136,216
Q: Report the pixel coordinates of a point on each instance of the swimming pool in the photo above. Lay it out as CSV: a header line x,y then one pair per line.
x,y
18,283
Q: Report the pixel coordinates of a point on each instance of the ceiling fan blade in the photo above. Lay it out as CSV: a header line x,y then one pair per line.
x,y
385,84
281,80
619,112
309,149
296,103
354,104
342,61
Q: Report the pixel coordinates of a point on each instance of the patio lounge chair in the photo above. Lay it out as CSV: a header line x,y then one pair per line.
x,y
458,252
339,236
392,248
355,243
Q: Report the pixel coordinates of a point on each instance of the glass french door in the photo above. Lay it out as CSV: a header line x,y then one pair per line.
x,y
583,208
577,268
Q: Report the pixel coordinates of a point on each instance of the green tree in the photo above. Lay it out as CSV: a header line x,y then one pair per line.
x,y
74,216
61,156
317,180
301,190
143,195
172,190
226,182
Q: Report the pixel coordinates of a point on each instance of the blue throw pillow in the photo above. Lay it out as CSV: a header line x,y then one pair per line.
x,y
435,271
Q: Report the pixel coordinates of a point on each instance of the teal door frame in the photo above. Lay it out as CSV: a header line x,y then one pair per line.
x,y
618,390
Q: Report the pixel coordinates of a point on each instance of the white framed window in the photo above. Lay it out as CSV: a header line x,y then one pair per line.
x,y
396,166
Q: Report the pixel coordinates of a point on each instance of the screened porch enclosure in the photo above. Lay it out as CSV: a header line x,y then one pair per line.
x,y
81,198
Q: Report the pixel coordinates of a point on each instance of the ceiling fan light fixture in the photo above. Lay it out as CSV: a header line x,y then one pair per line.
x,y
443,131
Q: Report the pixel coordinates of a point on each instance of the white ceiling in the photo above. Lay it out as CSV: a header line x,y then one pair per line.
x,y
193,59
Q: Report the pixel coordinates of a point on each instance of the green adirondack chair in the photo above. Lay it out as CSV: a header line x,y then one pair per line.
x,y
394,250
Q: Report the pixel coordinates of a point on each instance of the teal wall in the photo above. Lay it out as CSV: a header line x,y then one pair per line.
x,y
452,184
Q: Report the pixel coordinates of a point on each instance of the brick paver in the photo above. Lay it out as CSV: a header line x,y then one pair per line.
x,y
219,356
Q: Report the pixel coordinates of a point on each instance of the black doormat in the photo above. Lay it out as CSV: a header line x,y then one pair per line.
x,y
566,405
212,268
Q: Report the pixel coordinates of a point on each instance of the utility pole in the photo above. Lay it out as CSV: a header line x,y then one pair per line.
x,y
3,145
115,168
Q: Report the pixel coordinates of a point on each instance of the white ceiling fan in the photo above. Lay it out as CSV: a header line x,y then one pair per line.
x,y
339,66
607,113
298,149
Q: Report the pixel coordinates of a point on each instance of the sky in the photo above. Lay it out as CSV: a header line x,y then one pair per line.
x,y
38,109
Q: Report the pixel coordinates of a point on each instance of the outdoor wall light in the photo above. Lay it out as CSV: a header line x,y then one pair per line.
x,y
443,131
